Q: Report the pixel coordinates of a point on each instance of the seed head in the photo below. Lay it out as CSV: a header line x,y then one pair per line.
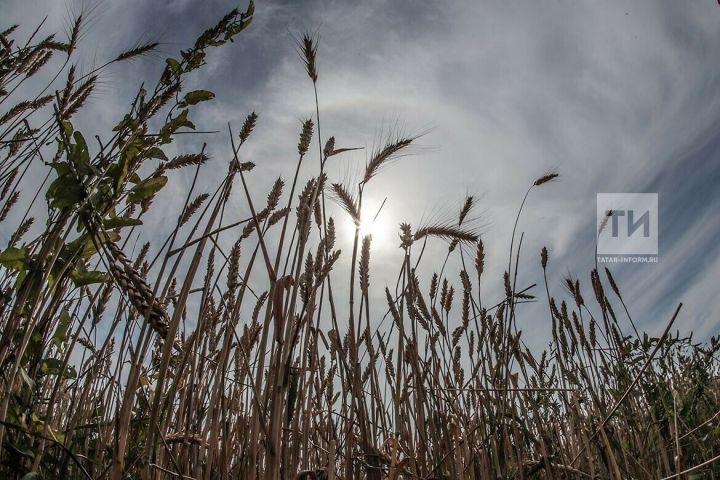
x,y
305,137
248,127
546,178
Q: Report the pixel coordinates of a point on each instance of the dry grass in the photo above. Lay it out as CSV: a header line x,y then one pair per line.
x,y
169,365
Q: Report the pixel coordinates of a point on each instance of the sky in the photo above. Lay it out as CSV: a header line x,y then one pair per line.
x,y
617,96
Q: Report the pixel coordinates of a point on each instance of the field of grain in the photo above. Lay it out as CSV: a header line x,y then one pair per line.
x,y
162,362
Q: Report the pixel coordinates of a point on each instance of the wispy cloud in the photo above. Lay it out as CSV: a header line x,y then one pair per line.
x,y
619,96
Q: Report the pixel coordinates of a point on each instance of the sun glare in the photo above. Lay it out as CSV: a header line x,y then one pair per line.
x,y
369,225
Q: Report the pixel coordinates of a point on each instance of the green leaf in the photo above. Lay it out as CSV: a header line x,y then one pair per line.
x,y
59,437
79,244
102,198
53,366
196,59
88,246
80,279
13,258
62,328
147,188
70,372
197,96
68,127
156,152
119,222
79,152
247,18
64,192
173,64
128,121
30,476
24,451
20,279
50,366
181,120
126,163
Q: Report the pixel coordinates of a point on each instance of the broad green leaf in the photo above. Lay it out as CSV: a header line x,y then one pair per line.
x,y
156,152
119,222
20,279
61,331
247,18
13,258
196,59
181,120
53,366
64,192
80,153
120,170
197,96
173,64
70,372
59,437
80,279
88,246
188,124
70,249
102,198
24,451
62,168
68,127
146,189
128,121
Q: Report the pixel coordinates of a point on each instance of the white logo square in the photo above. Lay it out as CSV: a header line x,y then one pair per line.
x,y
627,224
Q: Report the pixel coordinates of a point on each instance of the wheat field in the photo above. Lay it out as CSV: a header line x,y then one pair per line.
x,y
167,361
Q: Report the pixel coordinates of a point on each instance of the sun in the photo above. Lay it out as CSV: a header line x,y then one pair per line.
x,y
369,226
373,225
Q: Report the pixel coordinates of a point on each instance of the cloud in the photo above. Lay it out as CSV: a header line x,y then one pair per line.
x,y
620,97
